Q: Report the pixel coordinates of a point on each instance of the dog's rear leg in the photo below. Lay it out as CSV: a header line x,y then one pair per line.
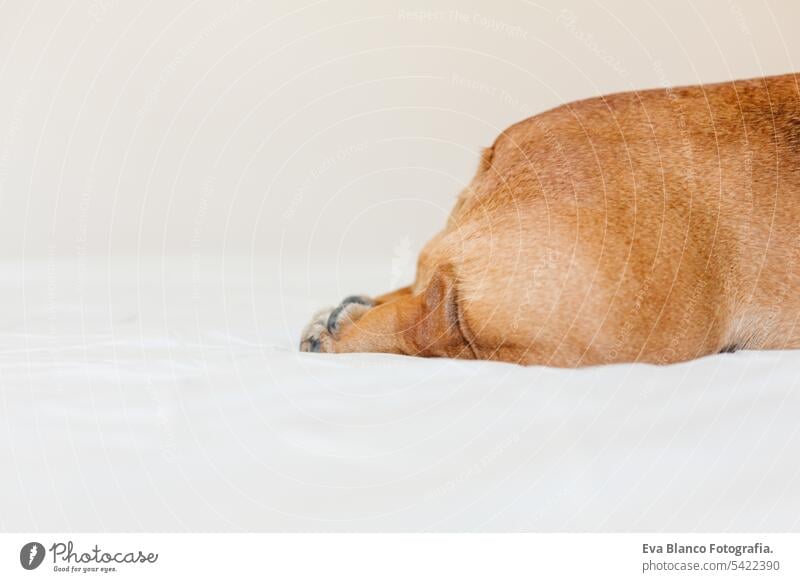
x,y
428,323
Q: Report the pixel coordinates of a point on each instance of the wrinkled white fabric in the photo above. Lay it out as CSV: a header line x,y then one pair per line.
x,y
169,396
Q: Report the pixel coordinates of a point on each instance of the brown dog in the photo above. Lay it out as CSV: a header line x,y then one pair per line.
x,y
654,226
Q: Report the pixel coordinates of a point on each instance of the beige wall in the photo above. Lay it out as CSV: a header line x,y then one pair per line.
x,y
333,130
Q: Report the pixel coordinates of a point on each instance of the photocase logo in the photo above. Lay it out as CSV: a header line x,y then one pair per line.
x,y
67,558
31,555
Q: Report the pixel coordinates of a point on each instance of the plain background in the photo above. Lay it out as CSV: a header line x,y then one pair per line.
x,y
325,130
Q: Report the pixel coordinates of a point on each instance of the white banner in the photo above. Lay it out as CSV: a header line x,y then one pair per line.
x,y
388,557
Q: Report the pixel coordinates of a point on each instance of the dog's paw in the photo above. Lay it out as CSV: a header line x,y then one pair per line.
x,y
326,325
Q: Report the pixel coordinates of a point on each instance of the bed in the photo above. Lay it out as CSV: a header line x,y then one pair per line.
x,y
167,395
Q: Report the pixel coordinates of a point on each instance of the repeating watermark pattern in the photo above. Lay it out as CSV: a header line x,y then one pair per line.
x,y
549,503
206,194
164,422
638,301
14,129
686,146
475,469
470,18
184,52
495,92
741,21
84,204
99,8
544,271
315,174
569,20
696,299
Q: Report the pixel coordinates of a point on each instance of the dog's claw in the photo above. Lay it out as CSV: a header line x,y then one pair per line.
x,y
360,299
335,318
327,324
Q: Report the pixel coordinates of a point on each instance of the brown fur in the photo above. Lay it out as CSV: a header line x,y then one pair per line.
x,y
654,226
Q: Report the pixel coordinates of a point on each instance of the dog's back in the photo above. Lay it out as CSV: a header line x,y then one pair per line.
x,y
657,225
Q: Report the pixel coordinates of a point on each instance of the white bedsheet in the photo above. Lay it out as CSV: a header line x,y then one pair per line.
x,y
169,396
